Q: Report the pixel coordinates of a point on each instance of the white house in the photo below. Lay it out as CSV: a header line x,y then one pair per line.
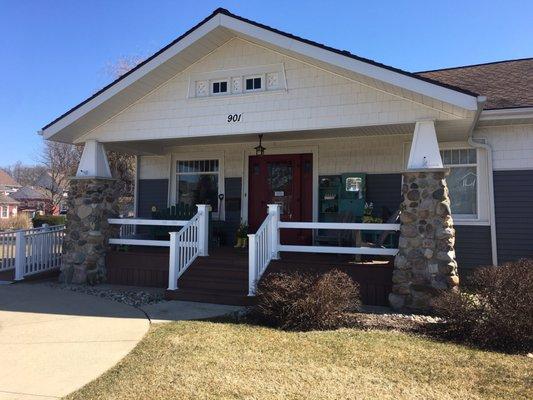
x,y
198,111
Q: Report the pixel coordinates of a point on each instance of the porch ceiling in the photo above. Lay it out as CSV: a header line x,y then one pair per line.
x,y
446,131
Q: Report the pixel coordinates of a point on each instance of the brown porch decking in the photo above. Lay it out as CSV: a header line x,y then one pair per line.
x,y
222,277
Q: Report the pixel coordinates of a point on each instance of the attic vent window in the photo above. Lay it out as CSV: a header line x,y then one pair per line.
x,y
220,87
253,83
238,81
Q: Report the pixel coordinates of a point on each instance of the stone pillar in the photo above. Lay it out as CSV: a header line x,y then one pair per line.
x,y
425,264
91,201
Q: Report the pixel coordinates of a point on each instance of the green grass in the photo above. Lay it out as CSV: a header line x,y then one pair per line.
x,y
209,360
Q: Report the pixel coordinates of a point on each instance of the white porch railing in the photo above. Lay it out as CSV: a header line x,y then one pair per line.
x,y
189,242
186,245
265,244
31,251
128,229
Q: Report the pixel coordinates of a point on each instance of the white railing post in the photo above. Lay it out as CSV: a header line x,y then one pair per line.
x,y
173,264
203,229
20,255
252,264
274,211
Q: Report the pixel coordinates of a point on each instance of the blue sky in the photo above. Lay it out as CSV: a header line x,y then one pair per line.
x,y
54,54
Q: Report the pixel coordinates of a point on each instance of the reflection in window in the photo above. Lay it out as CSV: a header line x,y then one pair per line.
x,y
462,180
197,182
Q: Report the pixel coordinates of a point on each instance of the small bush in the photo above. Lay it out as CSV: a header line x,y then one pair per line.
x,y
39,220
495,309
19,221
305,301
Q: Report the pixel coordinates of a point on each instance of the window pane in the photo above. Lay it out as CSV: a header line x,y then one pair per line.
x,y
257,83
462,184
223,87
216,87
249,84
198,189
472,156
455,157
446,157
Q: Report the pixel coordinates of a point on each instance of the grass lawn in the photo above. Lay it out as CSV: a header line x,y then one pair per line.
x,y
209,360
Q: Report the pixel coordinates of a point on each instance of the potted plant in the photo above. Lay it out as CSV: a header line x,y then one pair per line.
x,y
368,218
242,236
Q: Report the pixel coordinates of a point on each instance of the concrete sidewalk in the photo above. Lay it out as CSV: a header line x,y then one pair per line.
x,y
54,341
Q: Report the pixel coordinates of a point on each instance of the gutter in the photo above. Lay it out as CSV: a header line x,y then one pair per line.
x,y
484,145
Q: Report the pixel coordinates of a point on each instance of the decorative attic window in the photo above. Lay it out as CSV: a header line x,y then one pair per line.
x,y
238,81
254,83
219,87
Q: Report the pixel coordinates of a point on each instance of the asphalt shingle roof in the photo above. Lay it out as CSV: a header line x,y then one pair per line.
x,y
507,84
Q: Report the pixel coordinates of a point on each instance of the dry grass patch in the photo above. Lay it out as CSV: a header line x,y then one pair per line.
x,y
208,360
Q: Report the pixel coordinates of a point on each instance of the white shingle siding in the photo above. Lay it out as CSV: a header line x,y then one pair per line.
x,y
512,145
315,99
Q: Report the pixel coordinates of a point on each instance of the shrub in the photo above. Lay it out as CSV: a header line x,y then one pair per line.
x,y
39,220
305,301
19,221
495,309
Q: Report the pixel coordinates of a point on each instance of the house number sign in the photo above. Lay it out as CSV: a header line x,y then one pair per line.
x,y
234,117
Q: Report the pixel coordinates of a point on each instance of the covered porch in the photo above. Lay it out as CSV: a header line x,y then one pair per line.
x,y
335,200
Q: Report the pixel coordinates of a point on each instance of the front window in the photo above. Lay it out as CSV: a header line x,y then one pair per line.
x,y
4,212
197,182
462,181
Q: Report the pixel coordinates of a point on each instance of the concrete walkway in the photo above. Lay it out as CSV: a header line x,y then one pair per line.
x,y
54,341
169,311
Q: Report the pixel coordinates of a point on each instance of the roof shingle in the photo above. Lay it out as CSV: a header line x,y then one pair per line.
x,y
507,84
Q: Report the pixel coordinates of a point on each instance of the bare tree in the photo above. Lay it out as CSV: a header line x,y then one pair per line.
x,y
61,161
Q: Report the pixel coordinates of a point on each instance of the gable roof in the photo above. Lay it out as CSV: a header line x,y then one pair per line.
x,y
7,180
216,29
28,193
5,199
507,84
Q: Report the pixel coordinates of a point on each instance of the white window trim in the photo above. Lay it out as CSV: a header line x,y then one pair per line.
x,y
482,216
228,88
6,210
263,83
219,156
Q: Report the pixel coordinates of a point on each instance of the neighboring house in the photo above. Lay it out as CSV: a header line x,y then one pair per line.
x,y
48,186
32,200
8,206
238,115
7,183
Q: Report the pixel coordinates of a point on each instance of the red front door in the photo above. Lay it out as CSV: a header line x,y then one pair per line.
x,y
286,180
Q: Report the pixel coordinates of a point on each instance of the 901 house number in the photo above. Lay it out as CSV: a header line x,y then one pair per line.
x,y
234,117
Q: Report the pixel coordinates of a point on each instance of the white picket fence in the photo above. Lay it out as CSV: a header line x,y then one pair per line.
x,y
31,251
265,243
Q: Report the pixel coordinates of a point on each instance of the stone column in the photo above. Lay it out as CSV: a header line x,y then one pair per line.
x,y
425,264
91,201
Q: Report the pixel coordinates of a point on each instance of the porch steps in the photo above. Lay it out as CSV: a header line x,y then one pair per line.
x,y
220,278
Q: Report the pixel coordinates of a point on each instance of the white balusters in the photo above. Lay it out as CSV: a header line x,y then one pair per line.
x,y
190,242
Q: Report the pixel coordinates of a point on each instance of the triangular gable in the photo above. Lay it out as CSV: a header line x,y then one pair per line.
x,y
209,34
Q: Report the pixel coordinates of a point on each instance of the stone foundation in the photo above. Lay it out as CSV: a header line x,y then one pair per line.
x,y
425,264
91,201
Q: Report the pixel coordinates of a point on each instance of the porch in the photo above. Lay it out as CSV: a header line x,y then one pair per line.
x,y
222,277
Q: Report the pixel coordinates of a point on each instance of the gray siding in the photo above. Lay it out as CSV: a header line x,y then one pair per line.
x,y
513,197
472,247
384,190
232,204
151,192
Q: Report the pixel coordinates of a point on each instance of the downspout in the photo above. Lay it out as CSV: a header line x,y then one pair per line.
x,y
480,103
